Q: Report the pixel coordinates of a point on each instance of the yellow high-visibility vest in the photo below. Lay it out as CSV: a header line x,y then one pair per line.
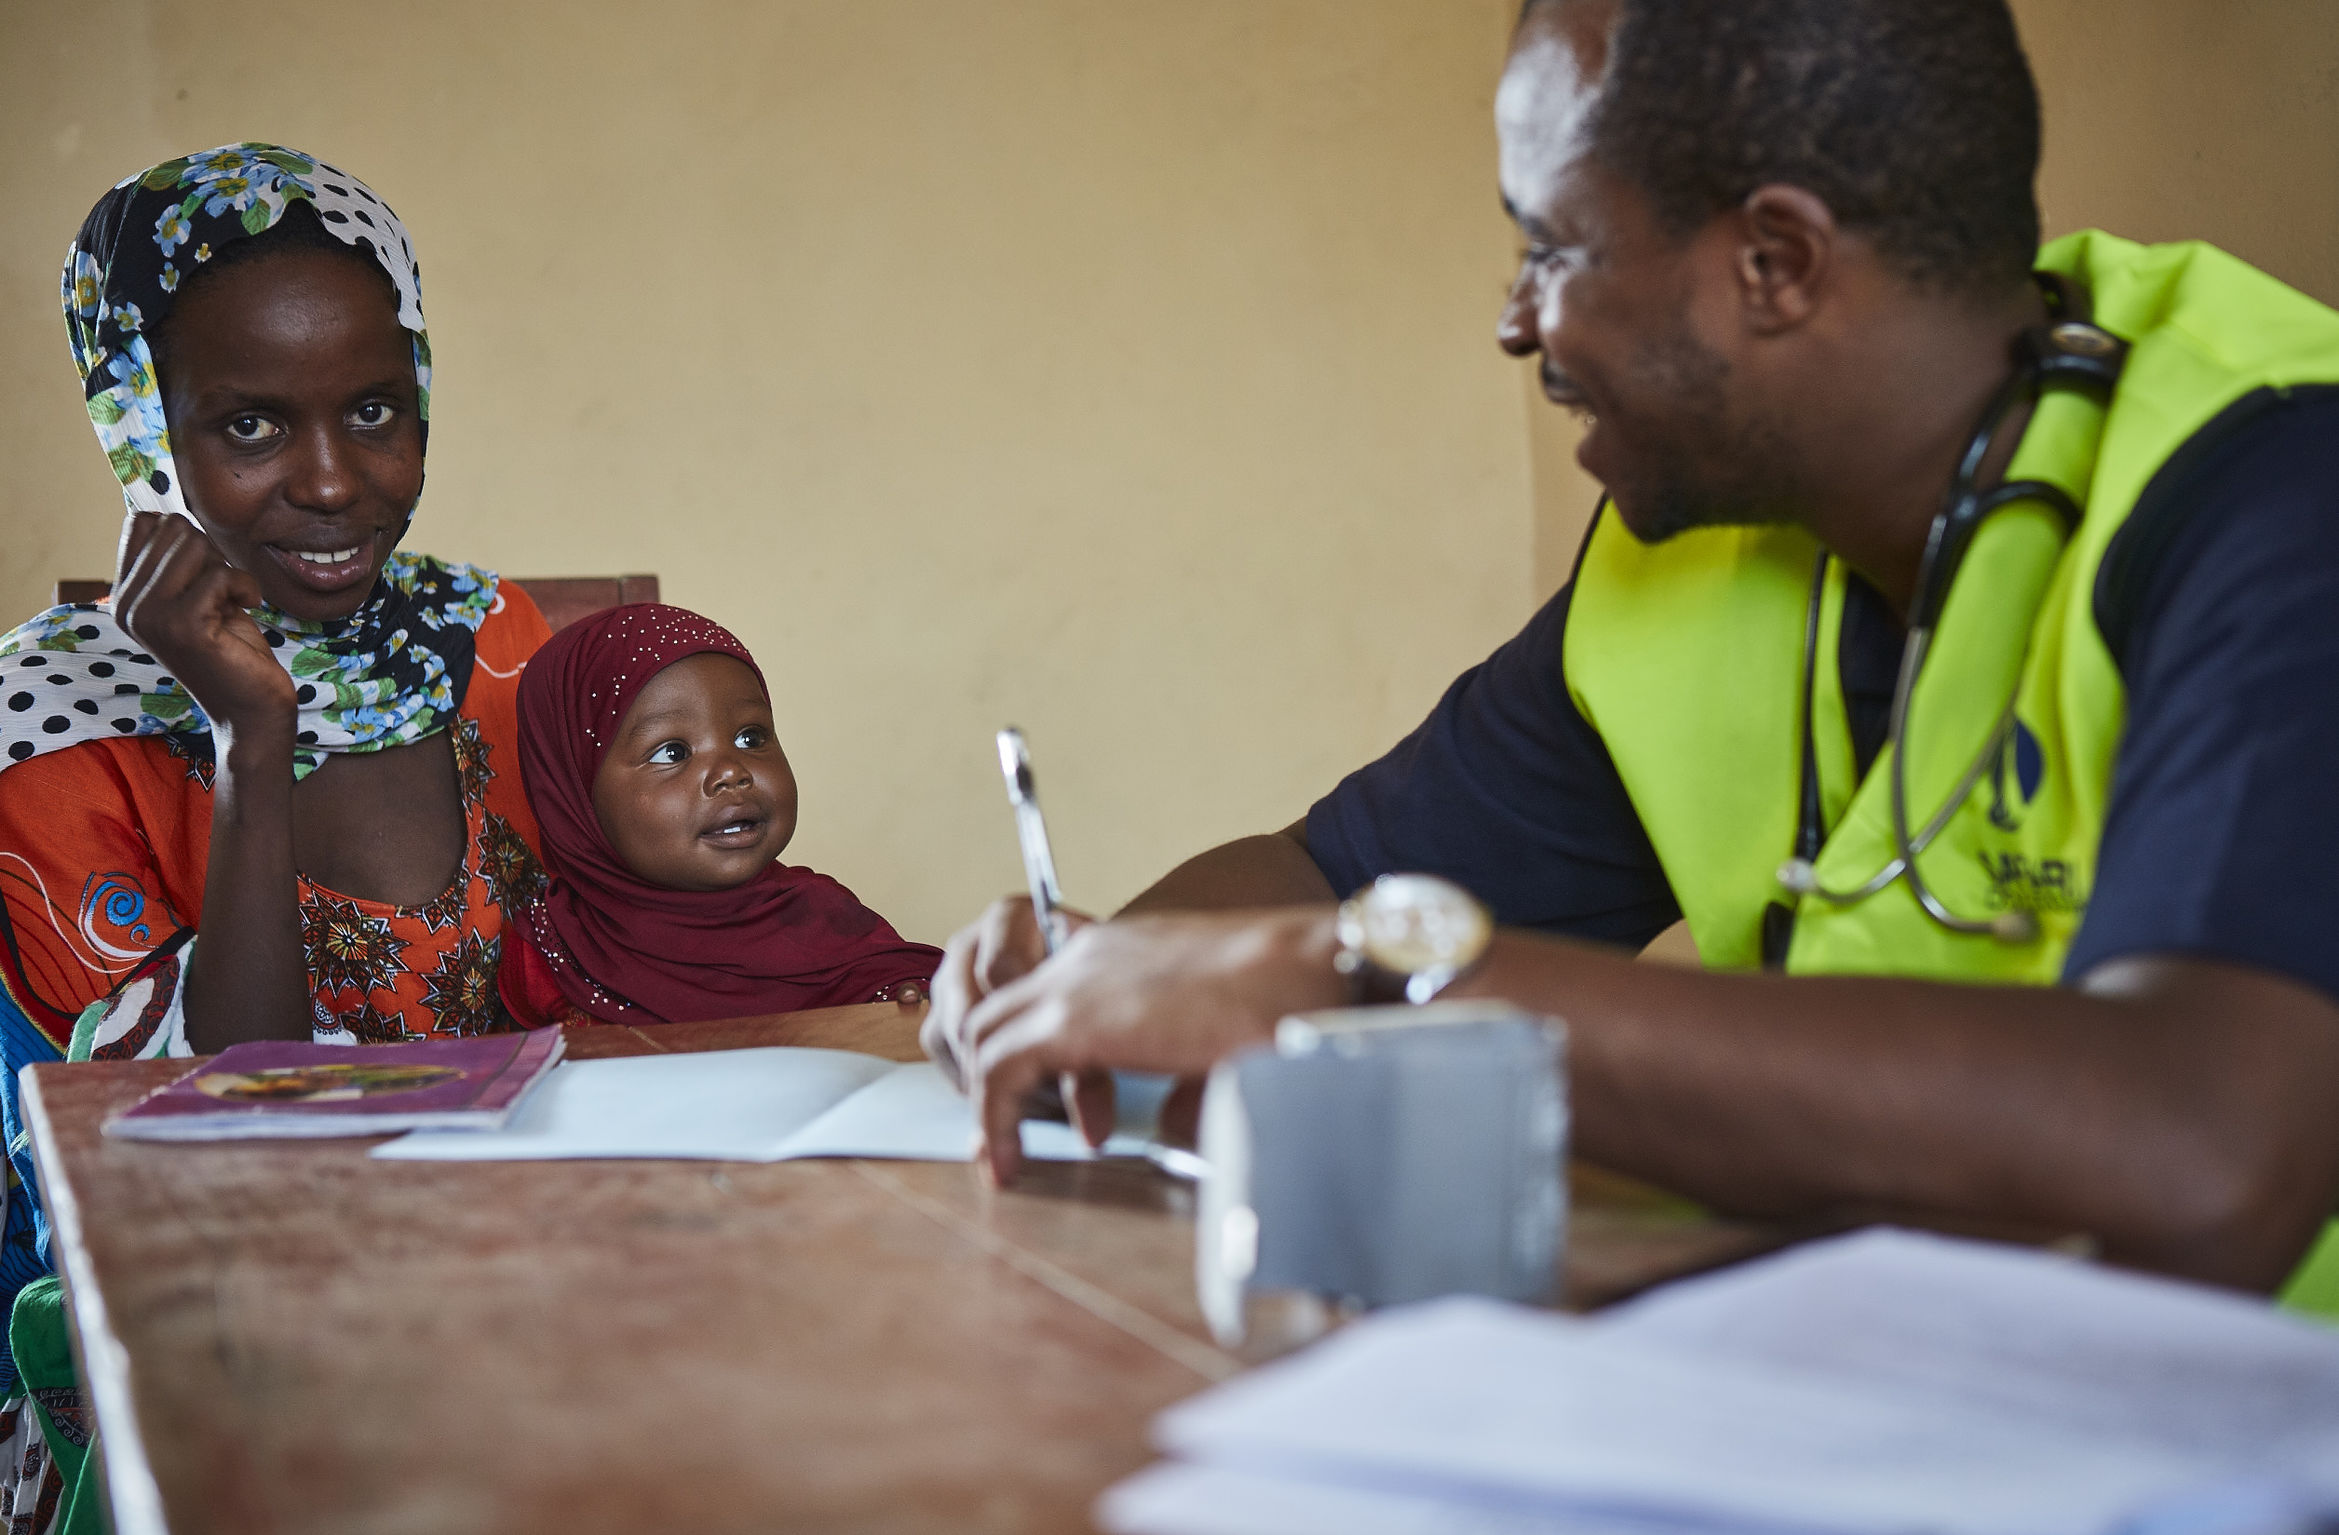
x,y
1688,658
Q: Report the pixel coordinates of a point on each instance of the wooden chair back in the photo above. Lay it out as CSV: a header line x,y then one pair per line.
x,y
564,599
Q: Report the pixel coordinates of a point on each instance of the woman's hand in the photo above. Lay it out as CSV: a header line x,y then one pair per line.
x,y
178,598
181,600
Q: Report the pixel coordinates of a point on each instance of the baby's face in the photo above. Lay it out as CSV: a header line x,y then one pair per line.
x,y
695,793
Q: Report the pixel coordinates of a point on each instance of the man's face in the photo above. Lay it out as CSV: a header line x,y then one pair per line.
x,y
1619,310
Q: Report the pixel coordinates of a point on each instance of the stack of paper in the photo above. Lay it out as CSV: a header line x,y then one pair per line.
x,y
1881,1382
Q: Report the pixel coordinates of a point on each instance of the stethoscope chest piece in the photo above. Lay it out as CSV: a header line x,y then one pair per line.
x,y
1799,878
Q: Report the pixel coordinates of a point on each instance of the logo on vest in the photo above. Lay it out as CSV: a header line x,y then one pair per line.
x,y
2015,777
2019,882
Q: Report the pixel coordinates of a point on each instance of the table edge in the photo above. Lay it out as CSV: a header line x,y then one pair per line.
x,y
131,1490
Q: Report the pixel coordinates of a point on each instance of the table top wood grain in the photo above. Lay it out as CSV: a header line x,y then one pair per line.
x,y
283,1337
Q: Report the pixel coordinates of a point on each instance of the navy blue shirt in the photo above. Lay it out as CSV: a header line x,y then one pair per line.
x,y
2222,836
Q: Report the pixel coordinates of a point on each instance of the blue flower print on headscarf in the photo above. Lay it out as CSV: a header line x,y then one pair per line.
x,y
391,673
171,230
123,272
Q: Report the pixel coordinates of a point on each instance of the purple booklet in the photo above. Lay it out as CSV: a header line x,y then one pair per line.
x,y
287,1088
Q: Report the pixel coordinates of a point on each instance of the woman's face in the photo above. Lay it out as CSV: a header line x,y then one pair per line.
x,y
289,386
695,793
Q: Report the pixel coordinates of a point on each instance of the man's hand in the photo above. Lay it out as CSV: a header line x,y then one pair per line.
x,y
180,599
1168,994
1000,946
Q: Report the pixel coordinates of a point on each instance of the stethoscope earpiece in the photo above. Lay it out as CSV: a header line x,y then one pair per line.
x,y
2075,352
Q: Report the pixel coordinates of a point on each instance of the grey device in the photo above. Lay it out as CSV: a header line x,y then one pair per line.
x,y
1376,1155
1031,831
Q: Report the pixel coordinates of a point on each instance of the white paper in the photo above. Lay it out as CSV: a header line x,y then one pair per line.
x,y
762,1105
1177,1499
2009,1332
1884,1382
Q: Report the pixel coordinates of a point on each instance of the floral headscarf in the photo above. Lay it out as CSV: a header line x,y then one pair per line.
x,y
155,228
389,674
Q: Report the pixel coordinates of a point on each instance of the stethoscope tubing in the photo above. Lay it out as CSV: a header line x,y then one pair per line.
x,y
1952,532
1799,875
2071,351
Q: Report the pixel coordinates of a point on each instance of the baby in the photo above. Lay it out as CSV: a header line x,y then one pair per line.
x,y
647,749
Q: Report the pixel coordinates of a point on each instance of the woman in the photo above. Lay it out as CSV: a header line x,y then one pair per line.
x,y
279,734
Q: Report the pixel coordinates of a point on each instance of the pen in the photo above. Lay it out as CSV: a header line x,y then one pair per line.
x,y
1031,830
1039,872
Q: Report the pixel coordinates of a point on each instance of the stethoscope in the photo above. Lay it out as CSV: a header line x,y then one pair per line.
x,y
2069,351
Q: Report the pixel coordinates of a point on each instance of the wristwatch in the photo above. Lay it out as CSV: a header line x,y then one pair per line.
x,y
1409,936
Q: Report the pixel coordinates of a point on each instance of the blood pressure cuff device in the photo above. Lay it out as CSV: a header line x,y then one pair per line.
x,y
1376,1155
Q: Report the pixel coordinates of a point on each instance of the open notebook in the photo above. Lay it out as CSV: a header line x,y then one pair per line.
x,y
764,1105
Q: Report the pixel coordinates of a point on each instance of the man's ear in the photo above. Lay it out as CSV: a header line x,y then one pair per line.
x,y
1785,258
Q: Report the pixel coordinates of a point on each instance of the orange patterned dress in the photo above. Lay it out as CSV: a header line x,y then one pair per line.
x,y
103,851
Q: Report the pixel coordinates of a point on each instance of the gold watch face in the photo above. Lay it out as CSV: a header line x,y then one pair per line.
x,y
1413,923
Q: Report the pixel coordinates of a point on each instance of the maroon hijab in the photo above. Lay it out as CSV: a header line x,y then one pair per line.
x,y
628,951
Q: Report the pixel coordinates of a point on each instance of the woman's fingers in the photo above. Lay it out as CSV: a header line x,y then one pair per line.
x,y
176,592
147,548
242,588
167,557
214,602
138,530
181,600
167,580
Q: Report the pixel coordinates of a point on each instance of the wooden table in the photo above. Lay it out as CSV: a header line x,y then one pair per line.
x,y
291,1337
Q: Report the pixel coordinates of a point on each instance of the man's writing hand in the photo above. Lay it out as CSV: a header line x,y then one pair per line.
x,y
1000,946
1167,994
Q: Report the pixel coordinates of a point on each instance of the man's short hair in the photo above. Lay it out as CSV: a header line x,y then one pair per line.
x,y
1915,121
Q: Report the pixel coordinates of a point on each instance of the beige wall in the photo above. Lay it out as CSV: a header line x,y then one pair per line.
x,y
1122,370
2195,119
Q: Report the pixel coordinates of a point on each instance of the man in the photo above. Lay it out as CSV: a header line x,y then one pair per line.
x,y
1779,253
